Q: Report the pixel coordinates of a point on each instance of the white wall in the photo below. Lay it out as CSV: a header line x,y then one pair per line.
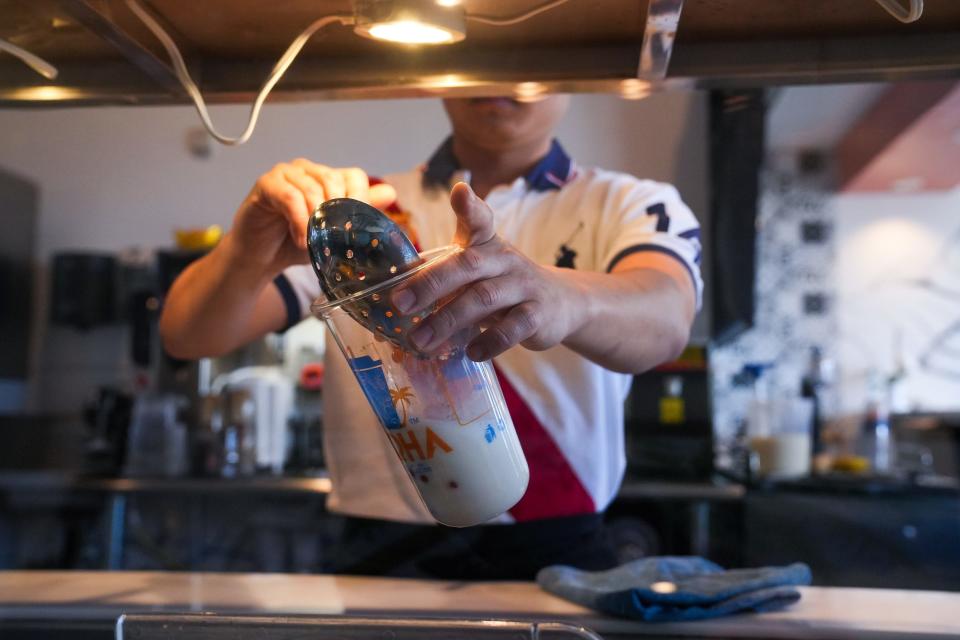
x,y
817,116
898,279
893,268
115,177
112,178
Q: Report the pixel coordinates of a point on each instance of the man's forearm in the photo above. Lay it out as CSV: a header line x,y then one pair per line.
x,y
211,309
631,320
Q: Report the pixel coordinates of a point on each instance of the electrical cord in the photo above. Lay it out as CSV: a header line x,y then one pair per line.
x,y
35,62
504,22
180,68
894,8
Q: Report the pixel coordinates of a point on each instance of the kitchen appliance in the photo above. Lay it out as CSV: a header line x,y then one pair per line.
x,y
157,445
272,395
187,378
84,289
108,422
668,423
237,443
306,426
224,444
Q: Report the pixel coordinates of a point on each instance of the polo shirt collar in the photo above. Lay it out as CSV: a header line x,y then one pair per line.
x,y
552,172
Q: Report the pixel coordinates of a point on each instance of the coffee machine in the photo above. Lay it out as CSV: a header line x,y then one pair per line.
x,y
246,387
166,407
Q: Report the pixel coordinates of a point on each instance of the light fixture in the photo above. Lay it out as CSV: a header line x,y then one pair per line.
x,y
530,91
410,21
634,89
445,81
404,21
46,93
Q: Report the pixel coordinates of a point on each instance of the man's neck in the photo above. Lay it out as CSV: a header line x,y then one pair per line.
x,y
491,168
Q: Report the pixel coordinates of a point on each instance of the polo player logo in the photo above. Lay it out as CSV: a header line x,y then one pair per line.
x,y
566,255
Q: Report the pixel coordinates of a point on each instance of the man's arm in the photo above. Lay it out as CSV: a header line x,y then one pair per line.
x,y
637,316
219,303
226,298
629,320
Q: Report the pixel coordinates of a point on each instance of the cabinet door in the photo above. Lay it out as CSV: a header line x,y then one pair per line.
x,y
18,208
902,541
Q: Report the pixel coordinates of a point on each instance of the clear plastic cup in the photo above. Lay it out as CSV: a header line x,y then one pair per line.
x,y
444,414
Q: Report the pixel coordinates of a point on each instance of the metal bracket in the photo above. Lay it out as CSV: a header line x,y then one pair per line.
x,y
102,23
663,17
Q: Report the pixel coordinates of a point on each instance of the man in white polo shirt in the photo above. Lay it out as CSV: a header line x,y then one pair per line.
x,y
580,276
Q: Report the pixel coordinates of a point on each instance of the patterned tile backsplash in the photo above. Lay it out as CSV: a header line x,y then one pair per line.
x,y
872,280
794,291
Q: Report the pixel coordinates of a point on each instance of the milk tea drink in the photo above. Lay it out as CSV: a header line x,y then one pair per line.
x,y
783,455
459,444
446,418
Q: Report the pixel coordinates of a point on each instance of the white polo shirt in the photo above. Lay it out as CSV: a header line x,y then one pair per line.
x,y
568,411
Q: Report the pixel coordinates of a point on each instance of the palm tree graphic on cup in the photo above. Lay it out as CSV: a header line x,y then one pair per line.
x,y
401,396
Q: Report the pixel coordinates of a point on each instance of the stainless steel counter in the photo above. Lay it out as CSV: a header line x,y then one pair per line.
x,y
53,481
823,613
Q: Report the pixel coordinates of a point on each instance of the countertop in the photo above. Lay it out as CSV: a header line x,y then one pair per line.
x,y
719,490
51,481
823,613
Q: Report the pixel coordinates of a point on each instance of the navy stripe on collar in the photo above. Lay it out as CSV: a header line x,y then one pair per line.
x,y
552,172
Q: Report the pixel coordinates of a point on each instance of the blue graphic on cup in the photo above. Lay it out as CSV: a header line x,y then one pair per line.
x,y
369,373
489,434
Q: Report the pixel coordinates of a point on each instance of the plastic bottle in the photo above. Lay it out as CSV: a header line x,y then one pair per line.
x,y
876,442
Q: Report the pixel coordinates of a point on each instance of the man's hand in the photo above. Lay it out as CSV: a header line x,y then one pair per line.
x,y
493,285
270,226
224,299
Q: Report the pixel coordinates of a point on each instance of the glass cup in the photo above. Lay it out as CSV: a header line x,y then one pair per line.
x,y
443,413
784,449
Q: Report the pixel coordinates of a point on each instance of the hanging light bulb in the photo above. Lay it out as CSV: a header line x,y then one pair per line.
x,y
410,21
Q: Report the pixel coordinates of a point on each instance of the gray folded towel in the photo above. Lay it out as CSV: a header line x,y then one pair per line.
x,y
671,589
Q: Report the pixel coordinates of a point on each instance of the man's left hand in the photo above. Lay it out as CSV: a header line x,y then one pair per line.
x,y
492,285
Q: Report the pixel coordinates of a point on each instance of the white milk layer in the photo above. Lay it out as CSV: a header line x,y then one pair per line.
x,y
466,474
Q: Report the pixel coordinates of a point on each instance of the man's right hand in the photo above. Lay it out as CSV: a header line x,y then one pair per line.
x,y
223,300
270,227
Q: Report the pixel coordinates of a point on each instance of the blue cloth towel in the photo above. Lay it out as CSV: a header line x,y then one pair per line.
x,y
672,589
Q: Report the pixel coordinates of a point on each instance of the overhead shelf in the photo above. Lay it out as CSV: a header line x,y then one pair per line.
x,y
106,56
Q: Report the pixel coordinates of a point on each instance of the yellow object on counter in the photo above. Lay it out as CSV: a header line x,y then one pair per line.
x,y
851,464
198,239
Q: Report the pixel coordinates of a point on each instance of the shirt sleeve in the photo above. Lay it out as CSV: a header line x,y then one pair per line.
x,y
649,216
298,286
